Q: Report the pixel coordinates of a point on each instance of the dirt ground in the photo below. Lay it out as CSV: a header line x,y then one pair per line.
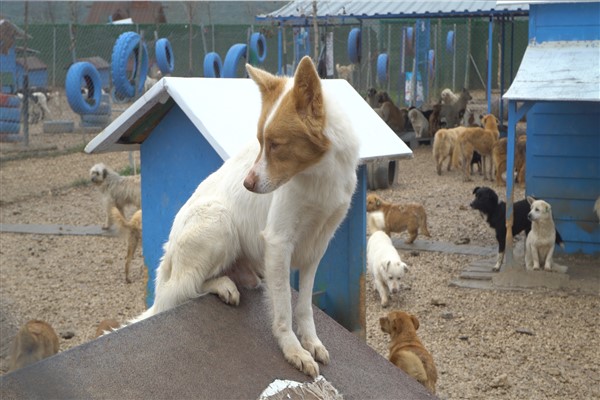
x,y
488,344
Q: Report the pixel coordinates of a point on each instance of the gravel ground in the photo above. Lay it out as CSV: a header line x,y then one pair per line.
x,y
487,344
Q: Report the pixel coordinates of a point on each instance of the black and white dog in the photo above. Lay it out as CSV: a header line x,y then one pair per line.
x,y
494,210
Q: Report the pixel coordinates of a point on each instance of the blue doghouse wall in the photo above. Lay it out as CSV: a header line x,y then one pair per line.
x,y
176,157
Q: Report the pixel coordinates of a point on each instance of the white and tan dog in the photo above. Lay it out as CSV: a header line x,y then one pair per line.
x,y
273,206
117,191
539,244
385,266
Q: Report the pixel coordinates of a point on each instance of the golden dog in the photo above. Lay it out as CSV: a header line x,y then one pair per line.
x,y
443,147
106,325
499,158
35,341
477,139
406,350
400,217
133,230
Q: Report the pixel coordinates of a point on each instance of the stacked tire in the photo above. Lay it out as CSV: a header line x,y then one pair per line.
x,y
99,118
83,87
381,174
10,115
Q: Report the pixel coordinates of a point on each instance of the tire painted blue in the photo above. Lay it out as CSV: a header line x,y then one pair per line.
x,y
450,42
383,63
164,56
79,75
258,47
212,65
410,40
9,127
128,45
10,114
103,109
232,59
118,98
354,45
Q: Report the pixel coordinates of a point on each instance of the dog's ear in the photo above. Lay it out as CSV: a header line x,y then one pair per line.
x,y
307,90
104,173
266,81
386,266
405,266
476,190
378,202
384,323
548,207
415,321
530,199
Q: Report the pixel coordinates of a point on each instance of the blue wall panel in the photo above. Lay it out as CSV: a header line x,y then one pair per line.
x,y
174,159
570,21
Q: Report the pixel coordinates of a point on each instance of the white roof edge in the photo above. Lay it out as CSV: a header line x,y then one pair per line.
x,y
558,71
525,2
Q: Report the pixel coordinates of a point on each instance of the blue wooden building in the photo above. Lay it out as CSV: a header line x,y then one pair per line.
x,y
37,72
558,88
186,127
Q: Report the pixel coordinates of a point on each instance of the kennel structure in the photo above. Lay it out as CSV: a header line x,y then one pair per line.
x,y
558,87
185,132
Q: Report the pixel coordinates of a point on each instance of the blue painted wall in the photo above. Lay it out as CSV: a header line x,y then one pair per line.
x,y
563,168
566,21
563,138
175,158
37,78
8,65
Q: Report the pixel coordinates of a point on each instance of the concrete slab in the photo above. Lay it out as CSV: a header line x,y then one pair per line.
x,y
443,247
49,229
205,349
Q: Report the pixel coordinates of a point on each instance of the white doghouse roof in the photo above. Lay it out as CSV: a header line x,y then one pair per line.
x,y
226,112
558,71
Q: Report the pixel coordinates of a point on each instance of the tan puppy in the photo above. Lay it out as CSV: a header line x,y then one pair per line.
x,y
35,341
539,244
443,146
406,350
118,191
105,326
133,229
345,72
477,139
400,217
499,158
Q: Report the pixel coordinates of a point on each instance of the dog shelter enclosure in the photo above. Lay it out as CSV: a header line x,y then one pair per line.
x,y
558,88
184,132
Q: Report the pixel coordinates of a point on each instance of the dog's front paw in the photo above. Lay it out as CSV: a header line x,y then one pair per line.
x,y
229,293
302,360
317,350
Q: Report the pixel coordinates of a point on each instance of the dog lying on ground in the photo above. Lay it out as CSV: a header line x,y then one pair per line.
x,y
400,217
499,158
482,140
257,216
35,341
106,326
494,210
419,123
117,191
384,265
407,352
539,245
133,230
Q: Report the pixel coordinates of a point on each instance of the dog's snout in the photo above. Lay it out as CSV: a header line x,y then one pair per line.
x,y
250,181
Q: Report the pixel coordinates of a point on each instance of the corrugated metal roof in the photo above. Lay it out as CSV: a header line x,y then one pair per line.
x,y
503,3
558,71
392,9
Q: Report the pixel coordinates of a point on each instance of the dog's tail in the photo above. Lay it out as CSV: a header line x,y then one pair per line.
x,y
423,224
558,240
122,223
457,154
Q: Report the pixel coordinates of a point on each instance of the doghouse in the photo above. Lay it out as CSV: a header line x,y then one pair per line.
x,y
186,127
37,72
558,88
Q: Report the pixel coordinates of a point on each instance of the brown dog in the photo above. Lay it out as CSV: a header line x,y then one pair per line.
x,y
499,157
477,139
35,341
396,118
400,217
406,350
133,229
106,325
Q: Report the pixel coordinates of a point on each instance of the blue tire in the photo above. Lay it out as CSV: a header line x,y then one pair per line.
x,y
9,127
450,42
258,47
128,45
10,114
232,59
410,40
383,64
354,45
212,65
83,74
164,56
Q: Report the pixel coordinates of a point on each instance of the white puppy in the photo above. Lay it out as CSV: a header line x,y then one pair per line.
x,y
419,122
375,222
539,245
448,97
385,266
273,206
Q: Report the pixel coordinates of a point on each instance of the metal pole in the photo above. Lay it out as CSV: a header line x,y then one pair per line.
x,y
490,55
26,82
279,50
500,105
454,61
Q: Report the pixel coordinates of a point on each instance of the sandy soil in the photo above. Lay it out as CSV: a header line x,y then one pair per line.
x,y
487,344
